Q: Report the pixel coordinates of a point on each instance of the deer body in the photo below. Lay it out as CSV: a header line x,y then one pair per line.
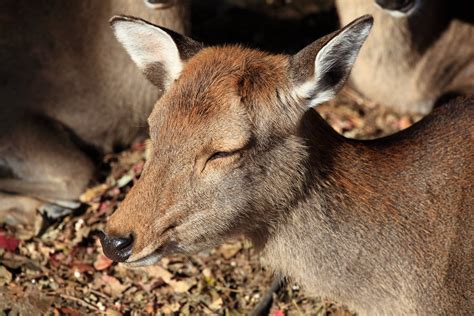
x,y
381,217
68,88
384,226
411,61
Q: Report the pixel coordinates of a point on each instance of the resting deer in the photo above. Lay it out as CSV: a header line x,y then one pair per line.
x,y
384,226
418,51
66,88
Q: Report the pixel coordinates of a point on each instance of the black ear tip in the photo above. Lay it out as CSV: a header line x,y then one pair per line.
x,y
362,24
367,19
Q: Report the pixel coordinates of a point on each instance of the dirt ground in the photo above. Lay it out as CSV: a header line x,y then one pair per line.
x,y
63,271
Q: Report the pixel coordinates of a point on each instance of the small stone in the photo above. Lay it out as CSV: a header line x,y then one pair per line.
x,y
101,306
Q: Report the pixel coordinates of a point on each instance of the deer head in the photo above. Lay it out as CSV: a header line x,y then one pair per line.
x,y
225,150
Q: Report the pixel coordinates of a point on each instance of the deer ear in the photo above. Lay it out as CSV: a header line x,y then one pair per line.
x,y
320,69
157,51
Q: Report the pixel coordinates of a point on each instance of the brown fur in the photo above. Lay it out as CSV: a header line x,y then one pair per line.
x,y
408,63
385,226
67,87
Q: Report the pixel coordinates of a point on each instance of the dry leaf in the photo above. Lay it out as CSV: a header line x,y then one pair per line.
x,y
180,286
8,242
170,308
5,276
230,250
149,308
112,285
158,272
123,181
92,193
112,312
217,304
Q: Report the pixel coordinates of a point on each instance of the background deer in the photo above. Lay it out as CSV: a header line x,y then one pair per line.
x,y
385,226
417,52
68,92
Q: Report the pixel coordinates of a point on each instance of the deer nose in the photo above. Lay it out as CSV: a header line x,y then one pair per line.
x,y
116,248
397,5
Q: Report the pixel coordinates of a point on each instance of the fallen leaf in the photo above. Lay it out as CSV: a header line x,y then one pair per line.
x,y
112,312
149,308
230,250
92,193
124,180
70,311
82,267
207,272
179,286
5,276
8,243
217,304
113,286
278,312
170,308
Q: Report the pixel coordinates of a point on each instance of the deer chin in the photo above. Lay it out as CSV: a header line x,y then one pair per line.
x,y
148,260
152,254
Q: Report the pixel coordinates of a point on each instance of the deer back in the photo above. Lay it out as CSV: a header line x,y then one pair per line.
x,y
409,62
62,62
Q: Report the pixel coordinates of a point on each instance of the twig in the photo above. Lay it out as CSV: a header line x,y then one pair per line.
x,y
101,294
228,289
78,300
263,307
297,307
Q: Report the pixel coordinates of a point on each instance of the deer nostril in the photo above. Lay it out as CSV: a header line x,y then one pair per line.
x,y
117,248
121,243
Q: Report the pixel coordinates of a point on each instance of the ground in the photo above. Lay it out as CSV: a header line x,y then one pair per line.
x,y
63,271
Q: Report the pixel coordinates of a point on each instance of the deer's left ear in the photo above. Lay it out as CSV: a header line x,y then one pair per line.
x,y
320,69
159,52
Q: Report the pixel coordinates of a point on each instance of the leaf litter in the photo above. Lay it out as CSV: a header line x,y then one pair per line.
x,y
64,272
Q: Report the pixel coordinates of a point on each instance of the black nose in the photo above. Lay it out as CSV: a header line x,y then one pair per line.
x,y
396,5
116,248
161,3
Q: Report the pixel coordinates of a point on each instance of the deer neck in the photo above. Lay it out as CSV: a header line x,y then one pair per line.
x,y
312,240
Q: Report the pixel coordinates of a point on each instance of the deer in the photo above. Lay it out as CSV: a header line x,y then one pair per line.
x,y
69,95
418,54
384,226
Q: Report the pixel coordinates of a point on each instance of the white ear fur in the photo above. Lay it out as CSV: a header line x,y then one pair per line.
x,y
333,64
147,45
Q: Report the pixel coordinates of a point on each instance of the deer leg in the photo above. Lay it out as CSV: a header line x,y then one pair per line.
x,y
40,169
54,190
20,212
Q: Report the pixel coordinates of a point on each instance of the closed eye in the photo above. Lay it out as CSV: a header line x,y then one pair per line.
x,y
221,154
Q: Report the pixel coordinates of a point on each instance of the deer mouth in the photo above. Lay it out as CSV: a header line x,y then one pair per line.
x,y
165,248
148,260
